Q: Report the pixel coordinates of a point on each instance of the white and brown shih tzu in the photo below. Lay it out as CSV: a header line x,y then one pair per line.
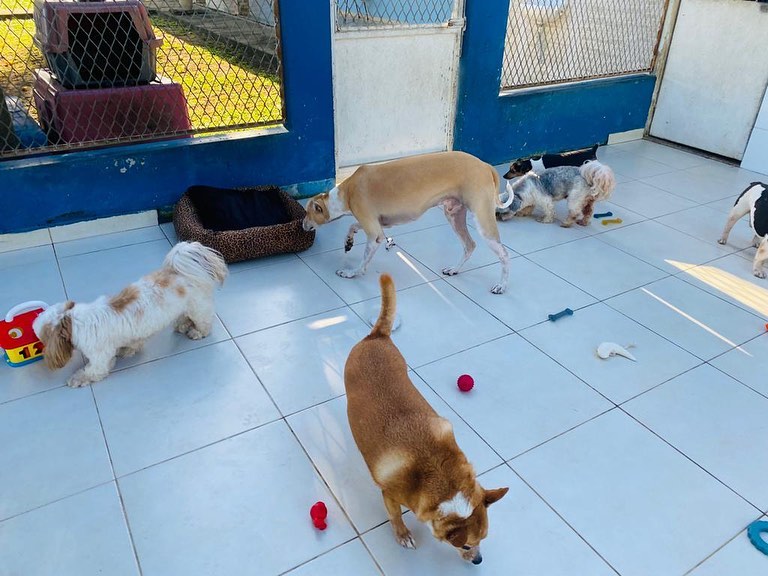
x,y
179,293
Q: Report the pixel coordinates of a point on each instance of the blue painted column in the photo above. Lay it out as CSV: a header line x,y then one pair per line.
x,y
501,127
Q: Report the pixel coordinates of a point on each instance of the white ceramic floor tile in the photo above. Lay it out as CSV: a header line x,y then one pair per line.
x,y
237,267
533,293
596,267
525,235
107,241
168,342
731,278
302,363
52,447
648,200
697,321
243,502
717,422
439,247
262,297
165,408
733,177
632,497
573,342
723,205
522,530
29,274
636,167
693,185
324,432
437,321
747,363
627,217
33,378
521,397
88,276
351,558
84,534
706,223
170,232
9,242
661,153
736,557
404,269
662,246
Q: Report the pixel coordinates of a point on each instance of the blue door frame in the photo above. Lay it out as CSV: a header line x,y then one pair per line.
x,y
501,127
64,188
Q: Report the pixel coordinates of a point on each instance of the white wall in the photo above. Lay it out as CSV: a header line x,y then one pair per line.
x,y
756,155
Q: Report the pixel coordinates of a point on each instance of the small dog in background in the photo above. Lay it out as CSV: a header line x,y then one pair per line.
x,y
754,200
575,158
181,292
582,186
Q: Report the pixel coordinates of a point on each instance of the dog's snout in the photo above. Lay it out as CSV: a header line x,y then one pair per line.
x,y
477,559
307,225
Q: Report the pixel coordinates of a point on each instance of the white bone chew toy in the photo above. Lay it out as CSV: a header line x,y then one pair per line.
x,y
609,349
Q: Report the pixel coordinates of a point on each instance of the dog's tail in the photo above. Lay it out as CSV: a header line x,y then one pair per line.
x,y
599,178
383,326
197,262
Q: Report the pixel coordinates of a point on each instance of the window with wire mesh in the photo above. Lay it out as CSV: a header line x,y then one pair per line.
x,y
357,14
88,73
554,41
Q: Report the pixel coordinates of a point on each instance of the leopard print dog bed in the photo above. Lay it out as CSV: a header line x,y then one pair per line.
x,y
249,243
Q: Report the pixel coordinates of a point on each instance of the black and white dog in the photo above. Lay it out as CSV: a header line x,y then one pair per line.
x,y
575,158
754,200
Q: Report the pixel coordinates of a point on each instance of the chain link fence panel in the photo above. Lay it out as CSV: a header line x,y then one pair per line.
x,y
80,74
366,14
555,41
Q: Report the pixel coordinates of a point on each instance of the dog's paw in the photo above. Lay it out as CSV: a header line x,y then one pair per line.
x,y
566,224
582,222
390,242
498,289
450,271
78,381
348,244
721,241
194,334
126,351
406,540
544,220
183,325
759,273
344,273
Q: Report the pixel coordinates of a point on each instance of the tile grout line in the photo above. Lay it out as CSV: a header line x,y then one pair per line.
x,y
562,518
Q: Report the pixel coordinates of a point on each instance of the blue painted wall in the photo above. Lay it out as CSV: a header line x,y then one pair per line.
x,y
499,128
79,186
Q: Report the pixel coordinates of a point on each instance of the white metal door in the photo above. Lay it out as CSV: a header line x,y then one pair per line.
x,y
715,76
395,80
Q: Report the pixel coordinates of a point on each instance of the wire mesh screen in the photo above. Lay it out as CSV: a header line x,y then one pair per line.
x,y
357,14
553,41
87,73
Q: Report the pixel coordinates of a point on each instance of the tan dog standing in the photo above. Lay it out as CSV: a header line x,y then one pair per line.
x,y
409,449
383,195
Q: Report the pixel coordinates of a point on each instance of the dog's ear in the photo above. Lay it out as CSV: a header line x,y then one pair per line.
x,y
457,536
494,495
58,344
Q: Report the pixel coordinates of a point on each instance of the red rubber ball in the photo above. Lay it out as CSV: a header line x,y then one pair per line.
x,y
465,382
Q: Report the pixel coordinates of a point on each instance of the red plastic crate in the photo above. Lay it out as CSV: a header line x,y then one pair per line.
x,y
84,115
99,44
